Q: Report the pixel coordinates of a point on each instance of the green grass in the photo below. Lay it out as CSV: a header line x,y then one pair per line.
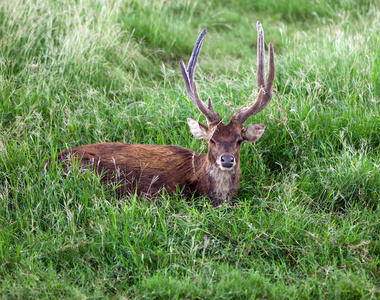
x,y
305,223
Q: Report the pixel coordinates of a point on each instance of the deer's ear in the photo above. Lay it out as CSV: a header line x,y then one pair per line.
x,y
253,132
197,129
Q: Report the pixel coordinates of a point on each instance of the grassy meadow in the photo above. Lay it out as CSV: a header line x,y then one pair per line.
x,y
306,221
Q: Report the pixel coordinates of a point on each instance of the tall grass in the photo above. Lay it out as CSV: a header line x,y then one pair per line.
x,y
305,221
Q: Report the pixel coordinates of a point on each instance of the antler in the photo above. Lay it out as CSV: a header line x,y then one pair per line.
x,y
191,88
265,91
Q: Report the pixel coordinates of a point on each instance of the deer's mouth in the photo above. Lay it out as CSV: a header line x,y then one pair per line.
x,y
226,169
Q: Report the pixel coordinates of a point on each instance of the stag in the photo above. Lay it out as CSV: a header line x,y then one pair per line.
x,y
148,169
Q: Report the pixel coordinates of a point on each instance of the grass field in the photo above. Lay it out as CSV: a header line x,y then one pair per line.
x,y
306,221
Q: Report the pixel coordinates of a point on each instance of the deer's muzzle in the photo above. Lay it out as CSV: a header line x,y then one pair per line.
x,y
227,161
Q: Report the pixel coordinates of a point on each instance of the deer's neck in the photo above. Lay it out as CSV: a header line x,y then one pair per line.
x,y
217,184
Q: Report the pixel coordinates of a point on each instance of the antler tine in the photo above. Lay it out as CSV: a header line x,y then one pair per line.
x,y
188,77
260,57
208,112
194,56
265,91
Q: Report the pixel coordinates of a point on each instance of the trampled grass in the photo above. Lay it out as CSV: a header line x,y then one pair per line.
x,y
305,223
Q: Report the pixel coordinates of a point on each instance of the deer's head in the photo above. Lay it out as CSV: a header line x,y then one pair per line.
x,y
225,140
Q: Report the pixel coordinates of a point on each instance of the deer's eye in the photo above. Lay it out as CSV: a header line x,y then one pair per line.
x,y
239,142
212,141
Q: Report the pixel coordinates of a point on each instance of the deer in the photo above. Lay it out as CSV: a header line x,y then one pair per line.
x,y
148,170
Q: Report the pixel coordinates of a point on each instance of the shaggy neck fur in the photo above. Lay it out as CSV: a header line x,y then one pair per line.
x,y
224,182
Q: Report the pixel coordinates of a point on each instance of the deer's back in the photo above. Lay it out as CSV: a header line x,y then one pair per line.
x,y
142,168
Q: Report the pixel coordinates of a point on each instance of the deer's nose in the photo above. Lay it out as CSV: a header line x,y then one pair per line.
x,y
227,161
